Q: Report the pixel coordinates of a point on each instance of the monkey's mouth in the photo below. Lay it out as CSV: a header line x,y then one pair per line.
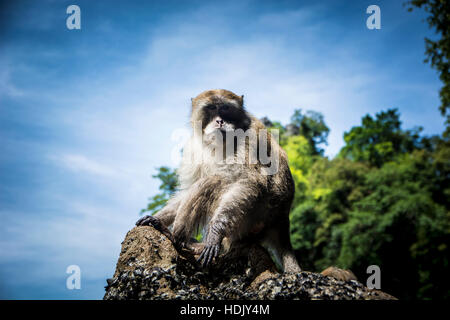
x,y
224,128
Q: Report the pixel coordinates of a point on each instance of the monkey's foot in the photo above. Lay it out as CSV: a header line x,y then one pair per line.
x,y
155,223
180,243
208,254
181,240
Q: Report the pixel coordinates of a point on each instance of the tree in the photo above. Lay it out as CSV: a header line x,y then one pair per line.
x,y
400,226
385,200
438,51
301,139
332,188
379,140
299,153
169,183
311,125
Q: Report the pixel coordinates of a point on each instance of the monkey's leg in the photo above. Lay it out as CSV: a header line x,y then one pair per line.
x,y
167,214
193,210
229,219
278,242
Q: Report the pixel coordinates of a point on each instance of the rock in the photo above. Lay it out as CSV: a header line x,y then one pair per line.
x,y
339,274
149,267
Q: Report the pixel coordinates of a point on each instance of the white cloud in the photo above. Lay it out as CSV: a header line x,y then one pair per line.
x,y
77,162
7,87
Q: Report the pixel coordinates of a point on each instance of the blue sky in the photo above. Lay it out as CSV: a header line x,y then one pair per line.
x,y
86,115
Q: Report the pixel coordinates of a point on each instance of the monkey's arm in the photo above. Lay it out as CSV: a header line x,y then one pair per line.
x,y
167,214
164,218
229,218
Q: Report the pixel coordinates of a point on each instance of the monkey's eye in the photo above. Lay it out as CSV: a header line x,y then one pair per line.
x,y
225,107
210,107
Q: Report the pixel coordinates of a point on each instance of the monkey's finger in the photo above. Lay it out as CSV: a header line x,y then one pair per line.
x,y
202,254
211,255
141,220
150,221
216,250
147,221
205,258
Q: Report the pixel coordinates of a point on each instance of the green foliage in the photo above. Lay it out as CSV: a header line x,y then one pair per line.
x,y
312,127
332,187
169,183
299,152
386,205
379,140
399,226
438,51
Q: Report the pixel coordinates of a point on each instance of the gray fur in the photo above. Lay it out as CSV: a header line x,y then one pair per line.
x,y
231,201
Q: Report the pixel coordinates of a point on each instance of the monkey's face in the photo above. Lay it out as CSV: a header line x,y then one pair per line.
x,y
219,110
221,117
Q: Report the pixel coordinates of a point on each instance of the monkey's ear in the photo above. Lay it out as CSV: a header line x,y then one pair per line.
x,y
242,100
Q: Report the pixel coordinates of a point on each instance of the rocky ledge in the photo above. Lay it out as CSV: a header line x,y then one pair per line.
x,y
149,267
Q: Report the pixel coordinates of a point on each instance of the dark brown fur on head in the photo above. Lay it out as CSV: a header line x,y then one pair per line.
x,y
211,104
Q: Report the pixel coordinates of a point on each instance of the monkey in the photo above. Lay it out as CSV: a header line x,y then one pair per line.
x,y
228,186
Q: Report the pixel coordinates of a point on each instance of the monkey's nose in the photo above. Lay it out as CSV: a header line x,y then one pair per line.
x,y
219,122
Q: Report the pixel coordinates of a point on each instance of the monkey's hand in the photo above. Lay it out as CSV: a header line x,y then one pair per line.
x,y
155,223
211,249
149,221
